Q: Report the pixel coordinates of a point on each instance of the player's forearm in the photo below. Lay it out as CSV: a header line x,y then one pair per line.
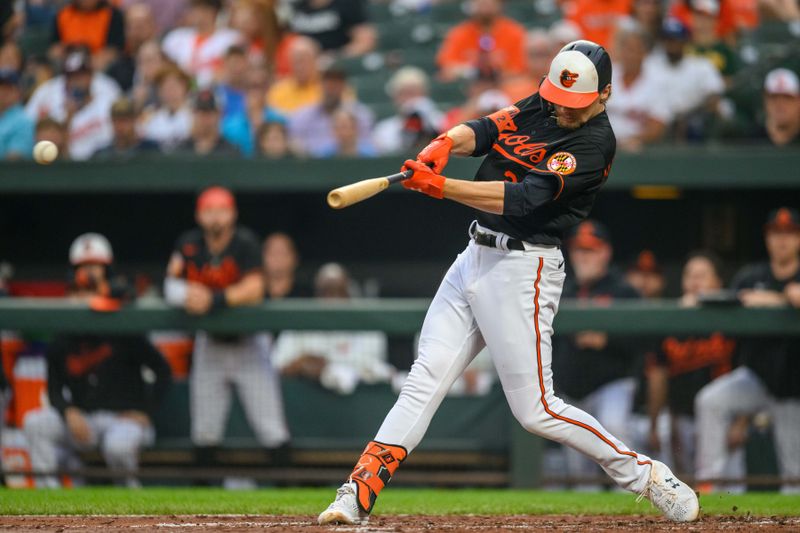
x,y
249,291
463,140
484,195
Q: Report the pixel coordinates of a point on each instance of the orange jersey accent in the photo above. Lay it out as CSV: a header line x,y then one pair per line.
x,y
597,19
462,46
84,27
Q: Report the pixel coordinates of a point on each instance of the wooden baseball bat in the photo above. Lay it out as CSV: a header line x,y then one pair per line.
x,y
361,190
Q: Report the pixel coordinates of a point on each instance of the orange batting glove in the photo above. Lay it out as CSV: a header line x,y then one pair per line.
x,y
423,180
436,154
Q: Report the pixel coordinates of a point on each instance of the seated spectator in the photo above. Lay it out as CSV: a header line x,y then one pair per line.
x,y
81,98
726,18
650,16
346,139
483,98
169,123
338,360
206,138
262,37
272,140
782,108
91,23
11,57
562,32
98,397
150,61
639,111
694,85
48,129
684,365
487,41
597,20
769,378
168,15
302,87
199,48
140,27
280,259
539,51
231,93
645,275
126,143
417,118
338,26
706,43
311,128
16,128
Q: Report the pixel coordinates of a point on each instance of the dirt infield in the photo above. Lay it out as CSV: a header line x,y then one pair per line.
x,y
395,524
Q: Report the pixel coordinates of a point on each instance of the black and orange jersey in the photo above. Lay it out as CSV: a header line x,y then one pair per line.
x,y
552,174
692,363
97,28
241,257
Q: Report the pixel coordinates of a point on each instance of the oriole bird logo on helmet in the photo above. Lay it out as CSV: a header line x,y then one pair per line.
x,y
568,78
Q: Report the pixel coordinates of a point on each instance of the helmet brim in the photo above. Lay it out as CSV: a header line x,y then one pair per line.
x,y
559,96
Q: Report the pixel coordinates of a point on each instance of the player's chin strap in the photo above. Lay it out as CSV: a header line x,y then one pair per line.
x,y
374,470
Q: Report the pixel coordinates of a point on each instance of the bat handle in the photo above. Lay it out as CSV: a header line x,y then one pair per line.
x,y
400,176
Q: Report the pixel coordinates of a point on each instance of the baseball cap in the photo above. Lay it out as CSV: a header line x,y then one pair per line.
x,y
9,76
215,197
783,219
673,28
90,248
589,234
577,74
645,262
205,101
782,81
77,59
123,107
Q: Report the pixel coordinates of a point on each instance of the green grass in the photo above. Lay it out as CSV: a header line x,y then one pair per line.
x,y
163,501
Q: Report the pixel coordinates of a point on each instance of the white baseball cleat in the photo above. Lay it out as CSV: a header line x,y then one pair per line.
x,y
344,509
671,496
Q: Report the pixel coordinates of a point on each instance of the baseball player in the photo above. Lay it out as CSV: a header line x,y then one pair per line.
x,y
546,158
215,266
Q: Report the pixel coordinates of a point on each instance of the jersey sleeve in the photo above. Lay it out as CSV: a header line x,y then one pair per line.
x,y
249,254
561,176
488,128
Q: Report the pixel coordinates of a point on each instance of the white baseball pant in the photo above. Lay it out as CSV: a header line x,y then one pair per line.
x,y
506,300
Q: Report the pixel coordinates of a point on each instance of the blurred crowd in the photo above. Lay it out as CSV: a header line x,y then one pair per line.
x,y
277,78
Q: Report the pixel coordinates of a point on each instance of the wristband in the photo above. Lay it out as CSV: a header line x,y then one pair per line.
x,y
219,301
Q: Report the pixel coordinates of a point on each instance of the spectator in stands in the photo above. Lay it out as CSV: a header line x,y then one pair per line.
x,y
483,98
706,43
103,390
338,360
80,98
694,84
726,17
311,128
346,139
16,128
562,32
231,94
127,143
302,87
684,365
92,23
539,50
11,57
769,378
639,111
199,47
263,38
257,83
340,27
206,138
782,108
488,41
281,260
597,20
650,16
417,118
272,140
169,123
150,61
216,266
140,27
592,368
48,129
646,276
168,15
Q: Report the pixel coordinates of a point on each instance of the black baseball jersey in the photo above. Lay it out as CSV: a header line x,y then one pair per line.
x,y
552,174
776,360
239,258
578,371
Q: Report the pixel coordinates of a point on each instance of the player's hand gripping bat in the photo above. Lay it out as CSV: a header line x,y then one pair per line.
x,y
361,190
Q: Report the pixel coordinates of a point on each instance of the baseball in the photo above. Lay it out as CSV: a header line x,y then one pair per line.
x,y
45,152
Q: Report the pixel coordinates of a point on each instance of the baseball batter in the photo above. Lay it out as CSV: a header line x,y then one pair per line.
x,y
546,158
